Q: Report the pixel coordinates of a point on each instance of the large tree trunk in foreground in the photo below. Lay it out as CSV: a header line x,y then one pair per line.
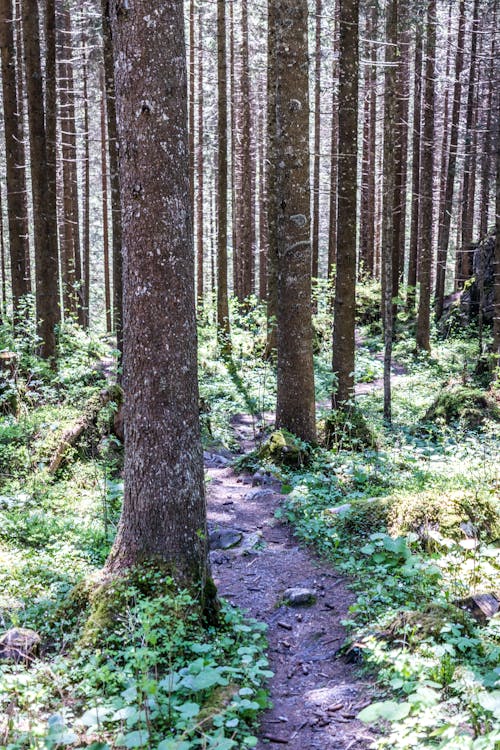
x,y
295,409
164,515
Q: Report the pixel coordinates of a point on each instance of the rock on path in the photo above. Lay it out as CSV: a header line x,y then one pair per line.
x,y
315,694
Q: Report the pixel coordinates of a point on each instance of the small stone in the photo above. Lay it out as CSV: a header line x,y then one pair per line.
x,y
19,644
258,494
297,596
225,538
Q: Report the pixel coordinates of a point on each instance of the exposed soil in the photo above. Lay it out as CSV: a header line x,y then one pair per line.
x,y
316,693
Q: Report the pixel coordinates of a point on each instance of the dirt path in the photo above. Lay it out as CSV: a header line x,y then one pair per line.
x,y
315,694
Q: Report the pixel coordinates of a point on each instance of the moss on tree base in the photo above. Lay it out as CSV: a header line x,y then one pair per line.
x,y
347,429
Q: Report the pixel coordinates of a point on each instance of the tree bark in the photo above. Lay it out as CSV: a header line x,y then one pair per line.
x,y
345,277
45,239
317,143
295,409
17,208
114,179
389,196
104,203
414,250
427,185
200,171
223,326
334,163
164,515
444,228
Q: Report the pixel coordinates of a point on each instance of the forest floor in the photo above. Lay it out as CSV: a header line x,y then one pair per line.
x,y
315,694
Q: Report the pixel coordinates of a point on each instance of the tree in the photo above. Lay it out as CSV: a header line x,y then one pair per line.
x,y
223,326
164,516
345,277
445,224
427,185
416,151
317,142
389,198
295,409
45,238
15,159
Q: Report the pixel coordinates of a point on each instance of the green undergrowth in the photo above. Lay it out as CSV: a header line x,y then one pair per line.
x,y
415,527
157,678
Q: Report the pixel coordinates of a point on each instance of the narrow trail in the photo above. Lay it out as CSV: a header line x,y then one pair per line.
x,y
315,693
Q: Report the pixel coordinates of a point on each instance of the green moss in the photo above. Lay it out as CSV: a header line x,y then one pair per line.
x,y
415,626
218,700
460,403
364,517
454,514
347,429
284,448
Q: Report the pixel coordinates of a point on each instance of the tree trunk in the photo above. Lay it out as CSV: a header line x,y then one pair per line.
x,y
389,196
444,228
496,270
223,327
317,143
114,178
104,203
200,170
464,252
427,185
345,277
272,187
416,149
295,409
334,163
245,197
86,186
46,262
17,208
164,515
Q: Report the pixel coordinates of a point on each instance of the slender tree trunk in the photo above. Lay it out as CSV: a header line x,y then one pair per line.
x,y
416,149
69,156
496,266
464,252
345,277
246,234
223,327
334,163
295,409
235,160
86,184
389,197
444,229
191,69
487,140
114,178
427,184
105,210
401,154
272,186
200,170
17,208
45,239
317,143
164,515
2,259
263,198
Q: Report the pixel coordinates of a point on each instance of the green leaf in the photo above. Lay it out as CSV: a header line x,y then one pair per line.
x,y
94,717
188,710
173,744
133,739
388,710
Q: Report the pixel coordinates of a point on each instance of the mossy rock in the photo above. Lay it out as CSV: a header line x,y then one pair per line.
x,y
464,404
284,448
415,626
362,517
454,514
347,429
